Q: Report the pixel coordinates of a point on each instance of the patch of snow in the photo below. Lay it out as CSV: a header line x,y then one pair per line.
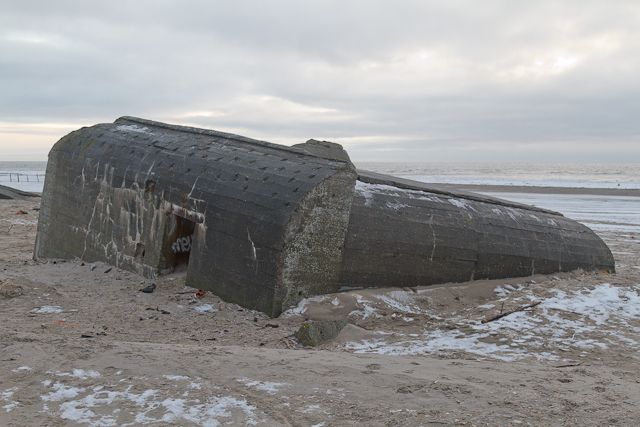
x,y
395,304
568,319
206,414
368,192
176,377
433,342
266,386
504,290
486,306
513,213
301,308
79,373
400,301
599,304
537,219
204,308
102,406
396,206
22,369
61,392
460,203
7,396
364,190
48,309
367,311
134,128
310,408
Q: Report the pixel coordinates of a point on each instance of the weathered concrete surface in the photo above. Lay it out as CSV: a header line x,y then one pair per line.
x,y
325,149
406,233
258,224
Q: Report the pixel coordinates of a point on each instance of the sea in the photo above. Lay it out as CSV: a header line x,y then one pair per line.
x,y
26,176
623,176
602,213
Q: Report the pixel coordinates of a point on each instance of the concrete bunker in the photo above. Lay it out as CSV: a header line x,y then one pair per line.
x,y
259,224
265,225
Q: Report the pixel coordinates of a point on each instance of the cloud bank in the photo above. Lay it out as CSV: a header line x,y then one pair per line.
x,y
409,80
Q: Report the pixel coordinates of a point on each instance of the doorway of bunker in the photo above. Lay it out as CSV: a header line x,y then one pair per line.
x,y
178,244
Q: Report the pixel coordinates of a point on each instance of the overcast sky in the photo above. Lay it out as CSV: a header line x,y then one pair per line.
x,y
390,80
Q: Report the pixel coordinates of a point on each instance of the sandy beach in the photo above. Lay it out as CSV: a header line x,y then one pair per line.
x,y
220,213
81,345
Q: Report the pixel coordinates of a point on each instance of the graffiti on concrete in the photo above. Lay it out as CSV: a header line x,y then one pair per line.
x,y
181,245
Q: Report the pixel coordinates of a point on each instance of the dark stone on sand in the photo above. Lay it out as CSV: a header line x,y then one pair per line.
x,y
315,332
149,288
10,290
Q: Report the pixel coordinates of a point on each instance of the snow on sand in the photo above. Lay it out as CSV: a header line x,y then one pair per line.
x,y
566,319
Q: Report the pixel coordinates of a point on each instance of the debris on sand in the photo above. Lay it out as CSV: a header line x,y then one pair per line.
x,y
149,288
10,290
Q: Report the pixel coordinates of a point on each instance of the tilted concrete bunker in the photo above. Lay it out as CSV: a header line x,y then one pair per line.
x,y
264,225
259,224
407,233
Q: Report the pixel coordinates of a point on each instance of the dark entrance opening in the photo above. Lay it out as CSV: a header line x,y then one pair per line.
x,y
178,244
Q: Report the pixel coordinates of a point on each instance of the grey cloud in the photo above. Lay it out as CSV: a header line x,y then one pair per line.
x,y
396,80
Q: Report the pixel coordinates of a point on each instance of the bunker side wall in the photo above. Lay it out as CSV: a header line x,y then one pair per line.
x,y
89,213
401,237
